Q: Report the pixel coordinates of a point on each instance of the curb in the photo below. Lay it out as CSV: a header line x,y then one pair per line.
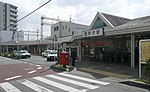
x,y
62,68
137,84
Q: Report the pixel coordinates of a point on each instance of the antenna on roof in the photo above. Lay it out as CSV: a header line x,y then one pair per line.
x,y
70,19
58,17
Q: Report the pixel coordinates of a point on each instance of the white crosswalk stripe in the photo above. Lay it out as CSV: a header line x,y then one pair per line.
x,y
85,79
9,88
73,82
51,83
61,86
34,86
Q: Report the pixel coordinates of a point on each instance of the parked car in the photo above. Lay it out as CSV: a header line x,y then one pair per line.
x,y
22,54
52,55
46,52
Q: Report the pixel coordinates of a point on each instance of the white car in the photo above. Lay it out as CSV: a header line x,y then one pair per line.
x,y
45,53
52,56
22,54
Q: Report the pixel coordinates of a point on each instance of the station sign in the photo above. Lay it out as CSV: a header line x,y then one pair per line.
x,y
96,32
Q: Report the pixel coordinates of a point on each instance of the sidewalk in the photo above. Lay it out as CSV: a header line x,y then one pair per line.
x,y
108,69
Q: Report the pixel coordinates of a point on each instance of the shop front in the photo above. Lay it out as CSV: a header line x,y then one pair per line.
x,y
97,50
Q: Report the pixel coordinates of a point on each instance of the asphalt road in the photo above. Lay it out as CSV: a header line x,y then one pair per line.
x,y
40,61
11,69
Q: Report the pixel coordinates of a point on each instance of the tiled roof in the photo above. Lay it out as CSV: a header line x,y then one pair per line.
x,y
115,20
137,21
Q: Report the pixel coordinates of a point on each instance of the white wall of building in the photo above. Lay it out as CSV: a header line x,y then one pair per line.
x,y
63,29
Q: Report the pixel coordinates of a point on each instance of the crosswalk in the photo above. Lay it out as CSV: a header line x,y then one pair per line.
x,y
61,82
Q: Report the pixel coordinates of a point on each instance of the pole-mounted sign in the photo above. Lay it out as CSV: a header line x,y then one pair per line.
x,y
144,53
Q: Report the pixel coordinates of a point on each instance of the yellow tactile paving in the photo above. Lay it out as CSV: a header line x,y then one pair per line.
x,y
106,73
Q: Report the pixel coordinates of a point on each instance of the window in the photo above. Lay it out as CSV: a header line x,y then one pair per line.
x,y
13,16
66,26
69,29
79,31
98,24
85,33
63,27
56,28
89,33
93,32
72,32
97,31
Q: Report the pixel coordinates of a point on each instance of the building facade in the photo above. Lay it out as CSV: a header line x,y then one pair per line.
x,y
115,39
8,17
65,29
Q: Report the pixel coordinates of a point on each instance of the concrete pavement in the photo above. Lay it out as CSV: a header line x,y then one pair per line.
x,y
108,69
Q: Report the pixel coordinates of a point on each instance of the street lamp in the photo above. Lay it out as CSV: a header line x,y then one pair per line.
x,y
0,42
54,39
17,42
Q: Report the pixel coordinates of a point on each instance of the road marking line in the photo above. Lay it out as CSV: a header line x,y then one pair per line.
x,y
38,65
39,68
106,73
85,79
30,63
58,85
9,88
73,82
34,86
13,77
32,72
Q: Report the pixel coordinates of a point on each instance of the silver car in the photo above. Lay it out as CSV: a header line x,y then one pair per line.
x,y
45,53
52,56
22,54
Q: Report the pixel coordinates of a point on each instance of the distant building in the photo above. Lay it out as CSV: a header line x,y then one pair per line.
x,y
8,17
65,29
8,23
11,36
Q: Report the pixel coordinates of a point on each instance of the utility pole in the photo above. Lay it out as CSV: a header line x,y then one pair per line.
x,y
28,37
37,34
13,34
0,44
42,28
43,22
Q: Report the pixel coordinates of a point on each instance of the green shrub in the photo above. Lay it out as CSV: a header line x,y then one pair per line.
x,y
147,69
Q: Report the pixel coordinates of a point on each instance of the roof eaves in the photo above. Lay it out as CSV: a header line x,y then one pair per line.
x,y
108,22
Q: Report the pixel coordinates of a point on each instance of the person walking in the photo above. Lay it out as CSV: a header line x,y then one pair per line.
x,y
73,56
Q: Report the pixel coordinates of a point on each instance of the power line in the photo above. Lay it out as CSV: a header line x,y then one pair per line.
x,y
28,14
34,11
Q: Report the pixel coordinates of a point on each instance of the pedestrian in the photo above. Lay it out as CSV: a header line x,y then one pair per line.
x,y
73,56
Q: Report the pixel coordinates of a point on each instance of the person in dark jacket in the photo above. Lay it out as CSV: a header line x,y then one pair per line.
x,y
73,56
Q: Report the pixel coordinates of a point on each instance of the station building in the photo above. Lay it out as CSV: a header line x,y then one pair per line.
x,y
115,39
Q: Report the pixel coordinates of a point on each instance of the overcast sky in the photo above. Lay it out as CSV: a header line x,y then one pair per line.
x,y
82,11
